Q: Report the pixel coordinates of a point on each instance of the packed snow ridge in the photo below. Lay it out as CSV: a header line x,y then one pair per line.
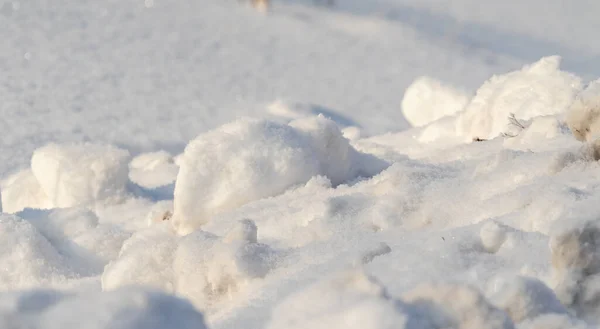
x,y
484,215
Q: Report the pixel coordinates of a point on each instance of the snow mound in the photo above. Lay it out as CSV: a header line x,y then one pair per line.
x,y
536,90
152,170
128,308
251,159
80,174
427,100
22,190
200,266
584,114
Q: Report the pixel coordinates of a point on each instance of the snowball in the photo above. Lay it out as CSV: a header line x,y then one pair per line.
x,y
456,306
80,174
537,89
492,236
252,159
347,300
152,170
130,308
22,190
584,113
427,100
525,298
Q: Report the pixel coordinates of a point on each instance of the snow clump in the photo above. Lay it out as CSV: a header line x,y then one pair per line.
x,y
251,159
80,174
427,100
537,89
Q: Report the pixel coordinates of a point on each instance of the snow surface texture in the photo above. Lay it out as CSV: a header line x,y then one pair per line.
x,y
288,226
250,159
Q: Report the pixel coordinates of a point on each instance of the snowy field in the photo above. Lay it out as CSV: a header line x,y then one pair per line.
x,y
378,164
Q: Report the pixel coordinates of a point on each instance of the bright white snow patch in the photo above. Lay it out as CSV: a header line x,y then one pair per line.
x,y
538,89
128,308
427,100
80,174
251,159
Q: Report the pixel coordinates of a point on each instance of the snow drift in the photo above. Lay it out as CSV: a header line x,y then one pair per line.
x,y
250,159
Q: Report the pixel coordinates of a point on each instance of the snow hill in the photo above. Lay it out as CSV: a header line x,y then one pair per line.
x,y
382,164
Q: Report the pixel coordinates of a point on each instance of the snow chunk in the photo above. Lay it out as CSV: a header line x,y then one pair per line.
x,y
152,170
537,89
250,159
427,100
22,190
80,174
130,308
348,300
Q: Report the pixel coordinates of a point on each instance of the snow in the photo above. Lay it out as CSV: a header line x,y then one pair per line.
x,y
372,164
251,159
537,89
80,174
428,99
